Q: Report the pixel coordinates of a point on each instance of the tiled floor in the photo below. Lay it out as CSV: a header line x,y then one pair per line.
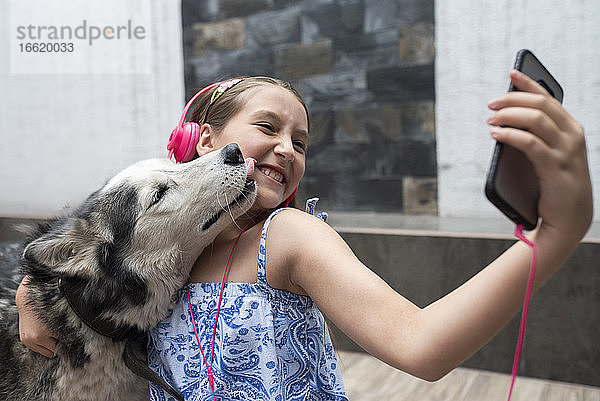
x,y
368,379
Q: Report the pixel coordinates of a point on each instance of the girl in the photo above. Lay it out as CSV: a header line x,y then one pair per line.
x,y
270,340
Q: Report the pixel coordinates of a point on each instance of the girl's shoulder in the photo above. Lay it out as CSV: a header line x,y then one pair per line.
x,y
292,238
292,226
298,219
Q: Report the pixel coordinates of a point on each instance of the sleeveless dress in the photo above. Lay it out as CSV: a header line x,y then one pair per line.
x,y
270,344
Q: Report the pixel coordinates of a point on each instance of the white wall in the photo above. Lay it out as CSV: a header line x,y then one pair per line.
x,y
475,46
63,134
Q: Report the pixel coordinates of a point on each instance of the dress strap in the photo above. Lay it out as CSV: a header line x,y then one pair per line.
x,y
261,275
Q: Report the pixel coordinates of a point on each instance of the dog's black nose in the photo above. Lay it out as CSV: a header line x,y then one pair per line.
x,y
233,154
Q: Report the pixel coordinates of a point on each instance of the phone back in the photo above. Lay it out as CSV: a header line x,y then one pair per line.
x,y
512,185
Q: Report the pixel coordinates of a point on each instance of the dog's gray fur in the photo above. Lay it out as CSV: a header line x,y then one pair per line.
x,y
130,246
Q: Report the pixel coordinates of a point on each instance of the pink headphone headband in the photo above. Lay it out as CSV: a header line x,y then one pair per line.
x,y
184,138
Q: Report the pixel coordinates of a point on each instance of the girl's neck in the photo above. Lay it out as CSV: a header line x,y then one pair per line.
x,y
246,221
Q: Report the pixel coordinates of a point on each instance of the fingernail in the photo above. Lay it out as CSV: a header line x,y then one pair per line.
x,y
493,104
491,120
515,73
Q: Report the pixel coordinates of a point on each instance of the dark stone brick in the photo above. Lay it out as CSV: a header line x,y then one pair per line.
x,y
368,194
387,122
327,91
193,11
416,45
277,4
321,129
188,68
222,35
383,159
205,69
273,28
418,120
321,187
332,20
420,195
348,193
249,62
301,60
351,14
188,50
364,51
369,123
419,159
385,14
336,160
217,66
384,194
241,8
402,84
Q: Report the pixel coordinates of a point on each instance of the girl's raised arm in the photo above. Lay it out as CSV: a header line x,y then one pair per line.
x,y
431,341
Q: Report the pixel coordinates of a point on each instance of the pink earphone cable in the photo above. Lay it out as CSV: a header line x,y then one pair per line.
x,y
212,352
515,368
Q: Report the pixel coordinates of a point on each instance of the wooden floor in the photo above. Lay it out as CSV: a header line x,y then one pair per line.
x,y
368,379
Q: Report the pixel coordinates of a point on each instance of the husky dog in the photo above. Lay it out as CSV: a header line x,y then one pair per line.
x,y
113,266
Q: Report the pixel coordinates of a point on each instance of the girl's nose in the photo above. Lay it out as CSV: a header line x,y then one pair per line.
x,y
285,149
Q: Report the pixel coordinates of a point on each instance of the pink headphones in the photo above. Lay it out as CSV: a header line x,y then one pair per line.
x,y
185,136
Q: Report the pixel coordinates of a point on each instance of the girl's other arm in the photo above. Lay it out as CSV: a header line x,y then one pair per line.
x,y
33,333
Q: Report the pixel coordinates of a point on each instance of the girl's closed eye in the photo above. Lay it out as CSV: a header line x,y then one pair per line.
x,y
300,146
266,127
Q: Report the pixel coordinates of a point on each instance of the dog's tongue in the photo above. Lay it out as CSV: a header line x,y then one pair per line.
x,y
250,162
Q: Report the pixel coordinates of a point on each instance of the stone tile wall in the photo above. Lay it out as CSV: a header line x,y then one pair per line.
x,y
365,69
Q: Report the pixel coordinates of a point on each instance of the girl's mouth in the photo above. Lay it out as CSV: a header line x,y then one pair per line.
x,y
272,173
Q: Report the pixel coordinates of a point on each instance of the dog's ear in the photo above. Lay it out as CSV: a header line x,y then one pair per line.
x,y
56,246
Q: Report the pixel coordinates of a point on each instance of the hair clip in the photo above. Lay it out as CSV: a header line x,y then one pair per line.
x,y
222,88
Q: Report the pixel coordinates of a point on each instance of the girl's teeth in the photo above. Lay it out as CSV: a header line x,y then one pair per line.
x,y
272,173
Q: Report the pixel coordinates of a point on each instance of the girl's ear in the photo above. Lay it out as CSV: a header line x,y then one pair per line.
x,y
205,143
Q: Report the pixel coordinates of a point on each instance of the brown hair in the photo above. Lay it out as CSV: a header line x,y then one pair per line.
x,y
233,99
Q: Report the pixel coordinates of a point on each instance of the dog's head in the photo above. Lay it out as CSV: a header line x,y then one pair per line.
x,y
132,243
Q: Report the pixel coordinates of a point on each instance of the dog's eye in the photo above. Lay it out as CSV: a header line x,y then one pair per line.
x,y
158,195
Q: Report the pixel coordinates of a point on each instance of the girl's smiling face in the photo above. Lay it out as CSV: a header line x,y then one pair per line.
x,y
271,127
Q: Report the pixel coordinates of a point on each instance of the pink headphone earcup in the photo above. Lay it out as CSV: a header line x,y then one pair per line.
x,y
183,141
192,132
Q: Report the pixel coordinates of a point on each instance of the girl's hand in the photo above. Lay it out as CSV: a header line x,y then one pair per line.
x,y
554,142
33,333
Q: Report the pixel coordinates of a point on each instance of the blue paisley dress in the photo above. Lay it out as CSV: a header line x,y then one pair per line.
x,y
270,344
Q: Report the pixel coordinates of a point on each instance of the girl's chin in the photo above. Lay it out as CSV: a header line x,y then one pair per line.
x,y
267,202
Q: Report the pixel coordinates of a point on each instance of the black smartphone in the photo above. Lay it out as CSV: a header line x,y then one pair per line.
x,y
512,185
